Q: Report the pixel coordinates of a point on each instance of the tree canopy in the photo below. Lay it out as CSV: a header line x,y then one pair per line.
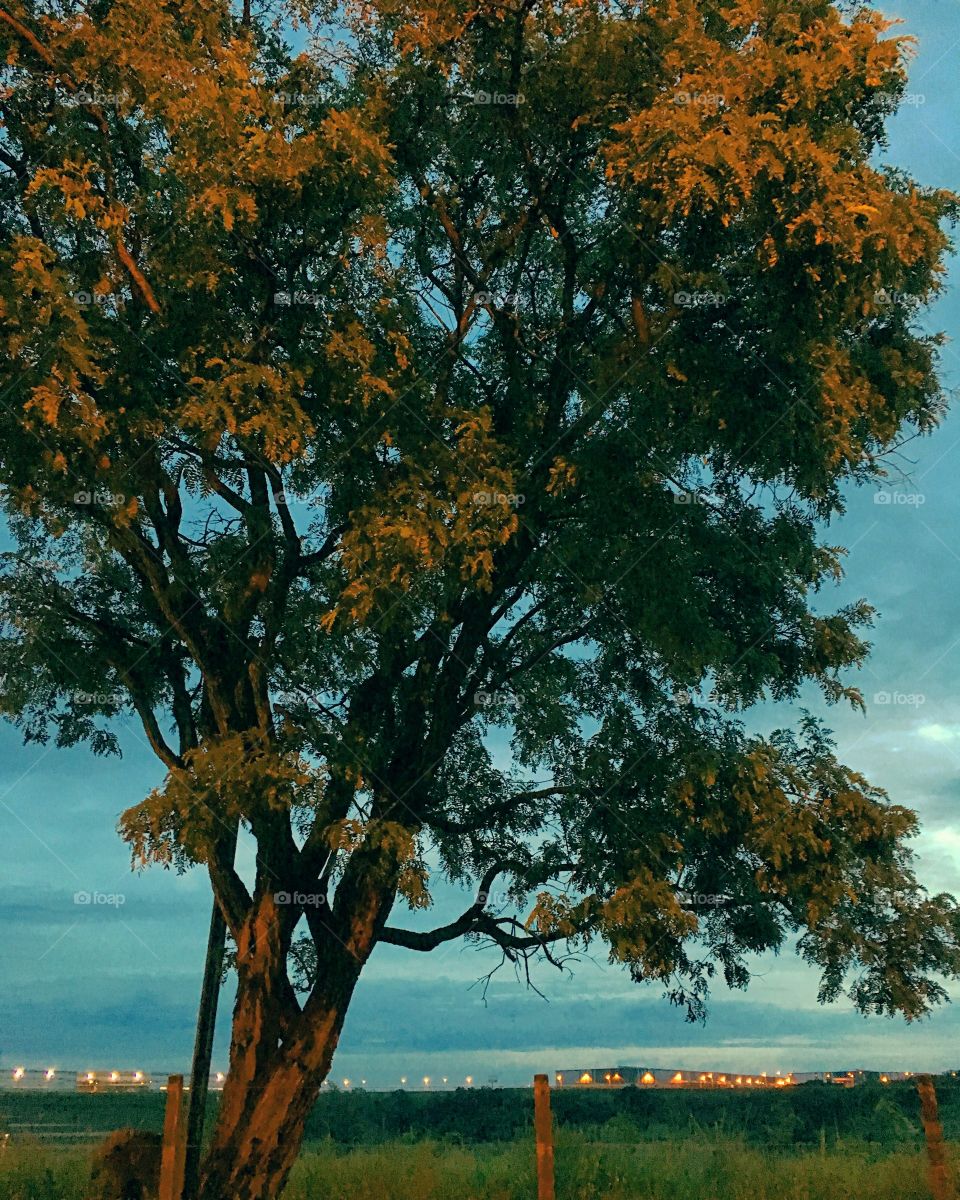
x,y
428,433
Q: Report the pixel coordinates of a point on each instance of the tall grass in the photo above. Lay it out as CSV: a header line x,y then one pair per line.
x,y
704,1167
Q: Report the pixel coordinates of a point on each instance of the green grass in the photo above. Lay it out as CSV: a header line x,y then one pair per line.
x,y
694,1168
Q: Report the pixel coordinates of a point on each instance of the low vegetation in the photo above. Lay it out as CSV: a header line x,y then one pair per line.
x,y
707,1165
805,1117
808,1143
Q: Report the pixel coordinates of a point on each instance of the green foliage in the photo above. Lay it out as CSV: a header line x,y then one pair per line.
x,y
803,1118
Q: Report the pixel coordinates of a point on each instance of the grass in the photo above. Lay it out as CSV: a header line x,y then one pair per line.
x,y
705,1167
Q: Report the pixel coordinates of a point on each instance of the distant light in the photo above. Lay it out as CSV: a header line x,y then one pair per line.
x,y
220,1077
647,1077
470,1079
426,1081
678,1078
138,1076
444,1079
364,1082
114,1076
586,1077
346,1083
50,1072
91,1076
19,1072
403,1079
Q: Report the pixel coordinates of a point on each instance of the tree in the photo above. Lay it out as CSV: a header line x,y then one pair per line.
x,y
478,369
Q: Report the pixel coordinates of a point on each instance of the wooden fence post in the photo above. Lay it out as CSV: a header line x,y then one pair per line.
x,y
174,1142
941,1184
543,1127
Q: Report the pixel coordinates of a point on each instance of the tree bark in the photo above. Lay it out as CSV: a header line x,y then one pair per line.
x,y
257,1141
280,1054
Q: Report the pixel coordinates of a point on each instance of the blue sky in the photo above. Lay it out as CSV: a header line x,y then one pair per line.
x,y
115,984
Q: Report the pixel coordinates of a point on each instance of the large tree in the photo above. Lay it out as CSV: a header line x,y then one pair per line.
x,y
478,375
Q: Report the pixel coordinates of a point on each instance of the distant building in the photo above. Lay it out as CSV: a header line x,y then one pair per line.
x,y
112,1081
674,1077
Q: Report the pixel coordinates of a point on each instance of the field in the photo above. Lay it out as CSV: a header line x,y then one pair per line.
x,y
478,1146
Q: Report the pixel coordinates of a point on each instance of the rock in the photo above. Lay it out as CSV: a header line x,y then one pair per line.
x,y
126,1167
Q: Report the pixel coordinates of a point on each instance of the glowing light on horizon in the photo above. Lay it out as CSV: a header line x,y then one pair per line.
x,y
49,1073
19,1072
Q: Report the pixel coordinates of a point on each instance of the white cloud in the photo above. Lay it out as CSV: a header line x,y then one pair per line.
x,y
939,733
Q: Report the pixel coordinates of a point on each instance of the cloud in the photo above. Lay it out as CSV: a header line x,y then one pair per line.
x,y
939,733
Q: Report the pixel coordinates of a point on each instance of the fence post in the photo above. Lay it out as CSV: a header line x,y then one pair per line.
x,y
543,1127
174,1142
941,1184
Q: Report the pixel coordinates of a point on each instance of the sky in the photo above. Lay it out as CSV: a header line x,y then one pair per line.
x,y
114,982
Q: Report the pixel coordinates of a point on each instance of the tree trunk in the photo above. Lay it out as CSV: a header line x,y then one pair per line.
x,y
266,1104
280,1054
